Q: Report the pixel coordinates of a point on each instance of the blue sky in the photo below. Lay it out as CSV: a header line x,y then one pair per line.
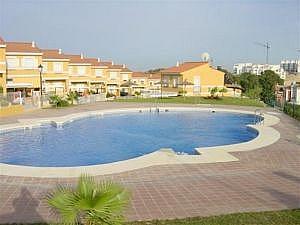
x,y
151,34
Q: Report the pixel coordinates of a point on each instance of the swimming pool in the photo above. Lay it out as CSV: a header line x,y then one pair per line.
x,y
115,137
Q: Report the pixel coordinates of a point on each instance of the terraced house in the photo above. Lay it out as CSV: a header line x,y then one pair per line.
x,y
55,77
80,73
118,75
194,78
2,66
23,59
98,76
140,81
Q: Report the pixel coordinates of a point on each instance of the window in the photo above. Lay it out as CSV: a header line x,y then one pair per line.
x,y
125,77
81,70
58,67
113,75
45,66
12,62
28,63
142,81
99,73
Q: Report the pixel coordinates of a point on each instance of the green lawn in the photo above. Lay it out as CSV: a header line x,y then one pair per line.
x,y
197,100
286,217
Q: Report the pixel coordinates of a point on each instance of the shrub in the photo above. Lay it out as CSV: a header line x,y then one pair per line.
x,y
72,96
213,91
292,110
58,101
109,95
223,90
182,92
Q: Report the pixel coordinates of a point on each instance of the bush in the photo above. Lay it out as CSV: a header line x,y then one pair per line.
x,y
72,96
289,108
58,101
182,92
253,93
214,91
109,95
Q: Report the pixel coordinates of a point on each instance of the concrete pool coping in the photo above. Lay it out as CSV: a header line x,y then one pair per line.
x,y
266,136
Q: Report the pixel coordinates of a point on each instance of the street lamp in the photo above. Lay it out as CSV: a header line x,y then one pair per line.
x,y
41,83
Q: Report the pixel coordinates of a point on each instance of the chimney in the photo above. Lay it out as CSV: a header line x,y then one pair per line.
x,y
112,63
33,44
81,55
98,59
124,66
177,64
59,51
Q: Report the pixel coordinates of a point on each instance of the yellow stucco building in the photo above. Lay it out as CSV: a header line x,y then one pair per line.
x,y
117,77
80,73
2,66
23,59
55,74
194,78
62,73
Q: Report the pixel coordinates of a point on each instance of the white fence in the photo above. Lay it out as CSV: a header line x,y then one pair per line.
x,y
91,99
20,98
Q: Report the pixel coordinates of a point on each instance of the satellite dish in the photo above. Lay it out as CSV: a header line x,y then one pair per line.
x,y
205,57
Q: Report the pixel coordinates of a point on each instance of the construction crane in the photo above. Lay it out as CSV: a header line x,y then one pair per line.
x,y
267,46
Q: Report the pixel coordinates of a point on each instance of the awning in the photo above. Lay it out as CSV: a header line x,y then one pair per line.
x,y
19,85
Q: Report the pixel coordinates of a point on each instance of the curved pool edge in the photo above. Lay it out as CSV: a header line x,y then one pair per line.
x,y
266,136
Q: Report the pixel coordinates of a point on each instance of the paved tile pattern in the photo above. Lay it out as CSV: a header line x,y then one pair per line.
x,y
263,179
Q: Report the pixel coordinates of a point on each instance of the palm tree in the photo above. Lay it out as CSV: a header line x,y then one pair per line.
x,y
90,202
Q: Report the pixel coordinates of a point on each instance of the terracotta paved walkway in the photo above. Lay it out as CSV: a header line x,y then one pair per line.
x,y
263,179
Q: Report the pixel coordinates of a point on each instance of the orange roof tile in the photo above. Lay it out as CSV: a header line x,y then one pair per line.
x,y
22,47
53,54
139,74
77,59
105,63
154,76
183,67
121,67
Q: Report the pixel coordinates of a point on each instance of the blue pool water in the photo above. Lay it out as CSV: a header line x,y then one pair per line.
x,y
112,138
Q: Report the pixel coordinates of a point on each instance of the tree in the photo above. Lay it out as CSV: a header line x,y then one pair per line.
x,y
229,78
250,84
268,81
1,89
90,202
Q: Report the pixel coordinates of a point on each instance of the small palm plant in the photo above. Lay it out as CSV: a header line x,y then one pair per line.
x,y
213,91
223,90
90,202
72,96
